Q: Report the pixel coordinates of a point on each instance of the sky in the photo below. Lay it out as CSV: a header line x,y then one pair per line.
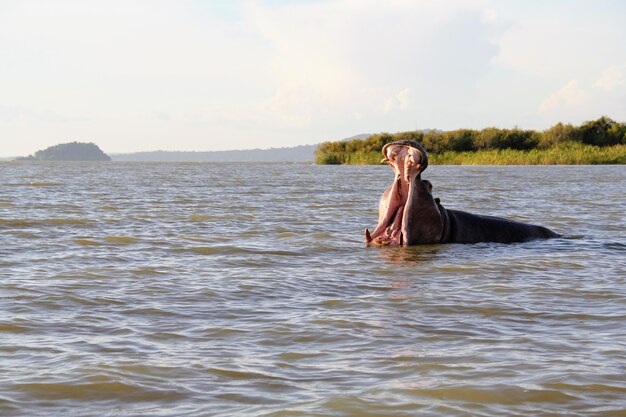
x,y
141,75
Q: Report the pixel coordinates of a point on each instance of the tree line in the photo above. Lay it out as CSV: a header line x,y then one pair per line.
x,y
601,132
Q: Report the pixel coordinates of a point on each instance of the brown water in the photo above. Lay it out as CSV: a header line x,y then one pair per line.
x,y
130,289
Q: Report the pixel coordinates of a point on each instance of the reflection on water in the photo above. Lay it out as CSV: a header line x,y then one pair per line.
x,y
194,290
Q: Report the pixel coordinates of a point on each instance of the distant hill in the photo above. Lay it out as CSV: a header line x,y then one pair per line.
x,y
302,153
74,151
360,136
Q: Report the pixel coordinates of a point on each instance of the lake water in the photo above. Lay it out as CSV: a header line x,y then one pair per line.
x,y
199,289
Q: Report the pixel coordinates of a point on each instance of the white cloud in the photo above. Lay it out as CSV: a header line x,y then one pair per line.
x,y
21,114
543,47
571,95
612,78
561,39
577,101
399,101
490,15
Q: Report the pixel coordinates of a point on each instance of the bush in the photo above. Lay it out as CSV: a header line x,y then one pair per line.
x,y
557,134
461,140
602,132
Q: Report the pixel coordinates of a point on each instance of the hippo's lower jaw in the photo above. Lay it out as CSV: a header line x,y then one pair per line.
x,y
389,229
408,215
388,233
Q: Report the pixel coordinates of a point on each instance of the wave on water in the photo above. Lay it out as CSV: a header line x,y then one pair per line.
x,y
34,184
616,246
44,222
44,184
237,250
86,242
99,391
12,328
224,216
121,240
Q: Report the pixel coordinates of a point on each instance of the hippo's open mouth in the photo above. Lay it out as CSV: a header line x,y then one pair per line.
x,y
407,159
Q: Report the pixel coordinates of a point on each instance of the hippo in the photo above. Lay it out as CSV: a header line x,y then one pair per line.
x,y
409,215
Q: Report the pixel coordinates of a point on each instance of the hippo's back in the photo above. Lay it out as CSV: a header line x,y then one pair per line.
x,y
473,228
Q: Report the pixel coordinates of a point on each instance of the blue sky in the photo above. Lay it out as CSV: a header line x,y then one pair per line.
x,y
138,75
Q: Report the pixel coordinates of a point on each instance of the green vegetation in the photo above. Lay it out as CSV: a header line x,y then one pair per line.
x,y
601,141
74,151
567,153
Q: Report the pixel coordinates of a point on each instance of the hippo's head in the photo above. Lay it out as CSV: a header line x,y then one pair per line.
x,y
408,214
392,150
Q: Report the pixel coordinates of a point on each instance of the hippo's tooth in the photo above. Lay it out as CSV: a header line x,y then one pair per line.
x,y
368,237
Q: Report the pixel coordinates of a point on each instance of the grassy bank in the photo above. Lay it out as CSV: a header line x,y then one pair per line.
x,y
601,141
564,154
569,153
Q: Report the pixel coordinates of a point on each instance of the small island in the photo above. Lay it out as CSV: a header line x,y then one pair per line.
x,y
601,141
73,151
